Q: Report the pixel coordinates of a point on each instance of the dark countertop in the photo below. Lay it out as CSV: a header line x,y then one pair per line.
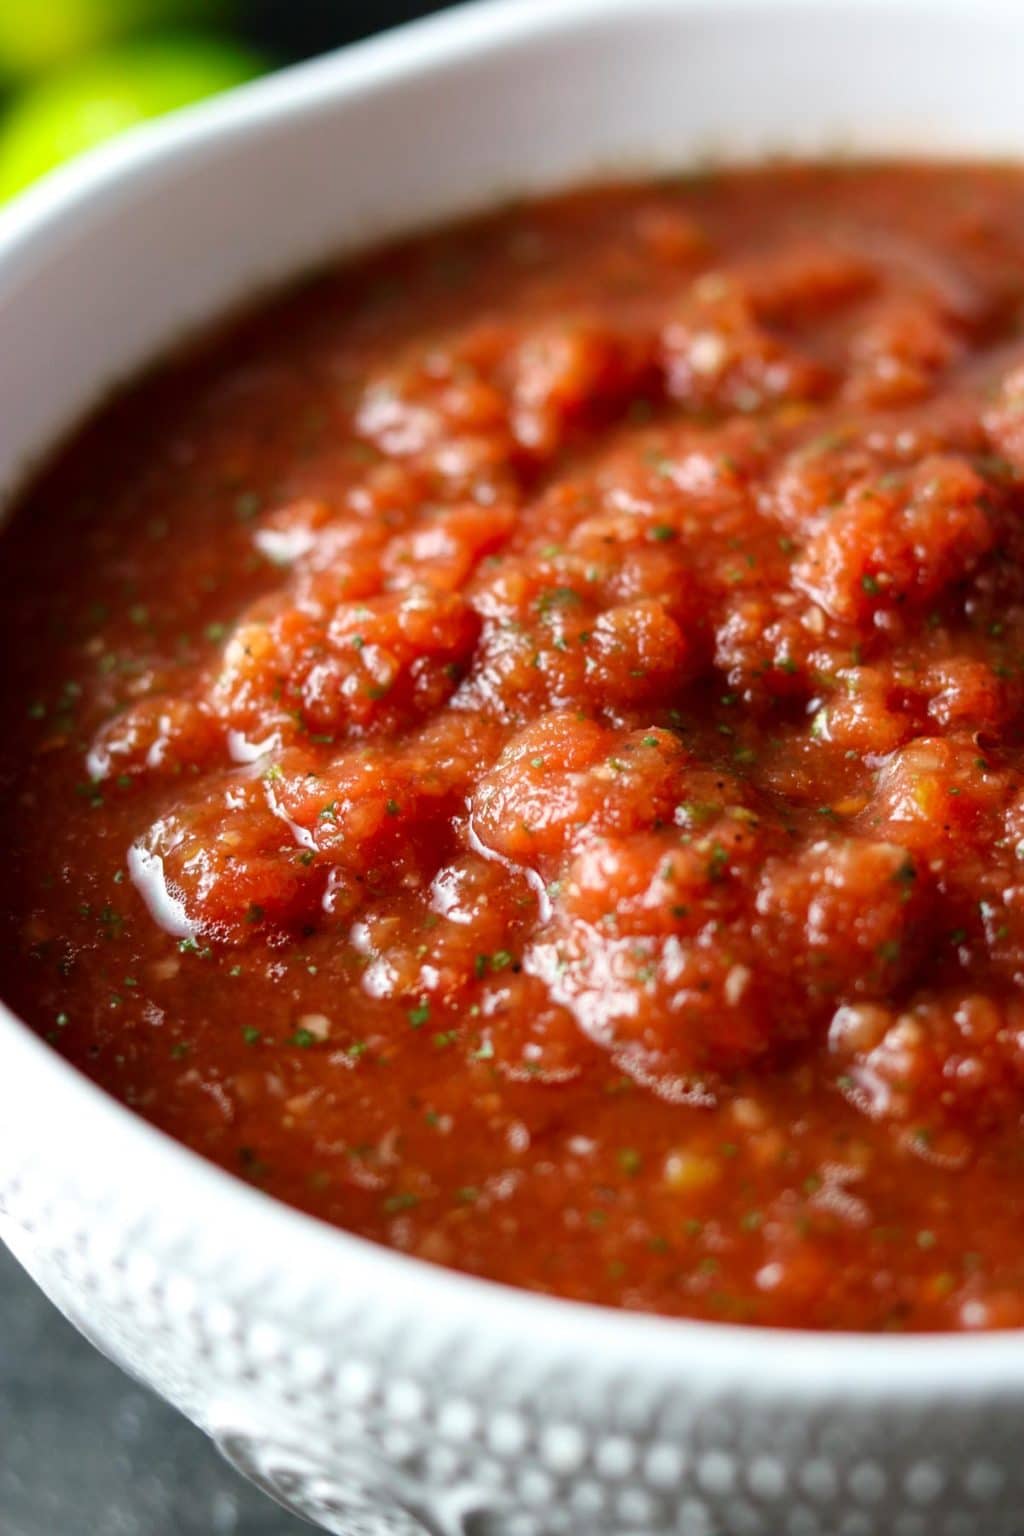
x,y
86,1452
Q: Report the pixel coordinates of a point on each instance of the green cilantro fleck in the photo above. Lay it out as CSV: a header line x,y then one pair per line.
x,y
247,506
395,1203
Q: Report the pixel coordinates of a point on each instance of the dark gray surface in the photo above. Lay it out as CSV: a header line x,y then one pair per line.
x,y
85,1452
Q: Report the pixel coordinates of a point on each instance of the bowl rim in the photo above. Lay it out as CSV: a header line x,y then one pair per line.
x,y
114,1140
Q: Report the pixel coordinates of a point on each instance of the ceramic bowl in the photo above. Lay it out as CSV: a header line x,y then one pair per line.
x,y
375,1394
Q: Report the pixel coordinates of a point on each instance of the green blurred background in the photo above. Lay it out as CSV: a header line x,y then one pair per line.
x,y
76,72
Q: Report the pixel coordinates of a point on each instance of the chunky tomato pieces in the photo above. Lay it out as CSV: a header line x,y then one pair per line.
x,y
517,748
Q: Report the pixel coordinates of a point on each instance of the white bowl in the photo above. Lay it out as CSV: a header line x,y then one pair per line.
x,y
369,1391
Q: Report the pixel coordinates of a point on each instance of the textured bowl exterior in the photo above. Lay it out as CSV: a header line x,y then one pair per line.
x,y
376,1395
390,1409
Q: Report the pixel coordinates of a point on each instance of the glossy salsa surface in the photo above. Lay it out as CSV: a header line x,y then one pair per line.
x,y
516,747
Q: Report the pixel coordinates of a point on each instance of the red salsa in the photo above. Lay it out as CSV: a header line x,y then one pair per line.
x,y
517,747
